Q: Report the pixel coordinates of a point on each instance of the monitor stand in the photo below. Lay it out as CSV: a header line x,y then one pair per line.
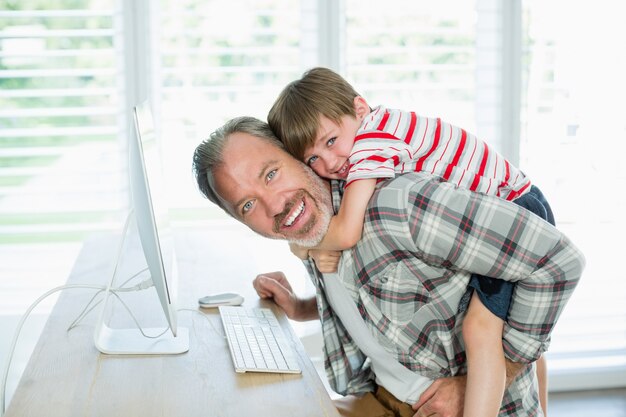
x,y
130,341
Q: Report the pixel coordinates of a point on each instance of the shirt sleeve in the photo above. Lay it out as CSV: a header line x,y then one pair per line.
x,y
376,154
475,233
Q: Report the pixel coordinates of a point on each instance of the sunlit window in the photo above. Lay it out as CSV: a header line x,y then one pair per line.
x,y
60,136
417,56
573,141
209,73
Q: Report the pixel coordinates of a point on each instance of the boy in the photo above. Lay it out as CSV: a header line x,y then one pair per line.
x,y
324,122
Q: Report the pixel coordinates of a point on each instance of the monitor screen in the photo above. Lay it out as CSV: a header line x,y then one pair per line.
x,y
150,209
151,229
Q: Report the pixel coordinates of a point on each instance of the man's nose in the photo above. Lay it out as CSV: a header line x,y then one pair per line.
x,y
275,202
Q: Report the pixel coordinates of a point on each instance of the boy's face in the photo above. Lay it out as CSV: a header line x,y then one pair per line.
x,y
328,156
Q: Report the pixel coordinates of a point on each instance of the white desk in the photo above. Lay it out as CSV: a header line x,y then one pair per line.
x,y
67,376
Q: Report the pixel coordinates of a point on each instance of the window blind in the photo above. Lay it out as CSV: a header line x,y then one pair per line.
x,y
61,176
217,60
416,56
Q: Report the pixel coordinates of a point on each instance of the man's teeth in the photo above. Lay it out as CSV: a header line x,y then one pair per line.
x,y
295,214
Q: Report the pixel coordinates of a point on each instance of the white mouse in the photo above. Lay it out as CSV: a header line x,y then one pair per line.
x,y
223,299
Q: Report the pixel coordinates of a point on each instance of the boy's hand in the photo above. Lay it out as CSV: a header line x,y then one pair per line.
x,y
299,251
325,260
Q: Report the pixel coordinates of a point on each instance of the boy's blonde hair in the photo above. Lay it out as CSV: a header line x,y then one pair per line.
x,y
295,115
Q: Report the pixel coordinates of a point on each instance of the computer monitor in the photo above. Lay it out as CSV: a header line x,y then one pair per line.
x,y
147,227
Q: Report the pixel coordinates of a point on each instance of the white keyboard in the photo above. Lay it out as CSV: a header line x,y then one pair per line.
x,y
256,341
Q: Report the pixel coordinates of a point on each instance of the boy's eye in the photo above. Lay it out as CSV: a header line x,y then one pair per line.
x,y
311,160
331,141
270,175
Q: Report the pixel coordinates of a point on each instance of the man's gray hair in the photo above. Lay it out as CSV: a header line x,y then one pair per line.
x,y
209,154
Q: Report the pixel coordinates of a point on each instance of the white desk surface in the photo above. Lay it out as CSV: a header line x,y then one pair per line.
x,y
67,376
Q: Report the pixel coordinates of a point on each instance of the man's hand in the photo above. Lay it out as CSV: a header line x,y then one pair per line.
x,y
274,285
325,260
444,398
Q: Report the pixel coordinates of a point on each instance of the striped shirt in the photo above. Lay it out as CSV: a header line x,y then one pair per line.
x,y
391,142
422,240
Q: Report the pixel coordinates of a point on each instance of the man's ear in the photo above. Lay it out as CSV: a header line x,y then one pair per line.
x,y
361,108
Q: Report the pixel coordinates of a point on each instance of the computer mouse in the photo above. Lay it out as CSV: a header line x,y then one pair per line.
x,y
222,299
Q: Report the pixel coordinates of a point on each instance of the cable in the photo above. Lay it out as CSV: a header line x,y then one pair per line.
x,y
133,277
85,311
5,375
135,319
147,283
143,285
207,319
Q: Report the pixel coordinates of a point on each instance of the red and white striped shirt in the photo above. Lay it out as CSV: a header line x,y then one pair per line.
x,y
391,142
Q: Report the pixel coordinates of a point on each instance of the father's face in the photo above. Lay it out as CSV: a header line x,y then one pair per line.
x,y
271,192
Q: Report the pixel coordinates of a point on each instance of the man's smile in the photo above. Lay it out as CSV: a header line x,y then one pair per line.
x,y
295,214
295,219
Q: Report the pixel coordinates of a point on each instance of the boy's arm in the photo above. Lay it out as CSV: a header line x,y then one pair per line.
x,y
346,227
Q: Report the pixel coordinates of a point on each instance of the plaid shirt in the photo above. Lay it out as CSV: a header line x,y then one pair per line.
x,y
422,240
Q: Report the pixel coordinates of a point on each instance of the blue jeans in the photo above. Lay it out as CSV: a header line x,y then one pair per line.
x,y
495,293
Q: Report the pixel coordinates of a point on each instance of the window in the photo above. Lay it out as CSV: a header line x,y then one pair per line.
x,y
573,142
416,56
60,136
209,73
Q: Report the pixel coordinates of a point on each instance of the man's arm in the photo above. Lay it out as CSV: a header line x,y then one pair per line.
x,y
467,231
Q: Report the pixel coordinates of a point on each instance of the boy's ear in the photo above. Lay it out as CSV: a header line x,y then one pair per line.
x,y
361,108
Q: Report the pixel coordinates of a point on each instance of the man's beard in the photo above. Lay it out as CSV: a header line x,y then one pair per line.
x,y
312,233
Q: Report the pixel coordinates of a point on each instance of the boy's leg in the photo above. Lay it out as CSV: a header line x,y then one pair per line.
x,y
536,202
488,308
486,373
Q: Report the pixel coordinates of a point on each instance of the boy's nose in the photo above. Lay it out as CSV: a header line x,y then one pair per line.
x,y
330,163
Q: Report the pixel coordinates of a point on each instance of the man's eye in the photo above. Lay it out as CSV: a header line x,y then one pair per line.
x,y
311,160
331,141
270,175
246,207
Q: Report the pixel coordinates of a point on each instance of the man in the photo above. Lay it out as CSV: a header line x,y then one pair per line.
x,y
405,279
